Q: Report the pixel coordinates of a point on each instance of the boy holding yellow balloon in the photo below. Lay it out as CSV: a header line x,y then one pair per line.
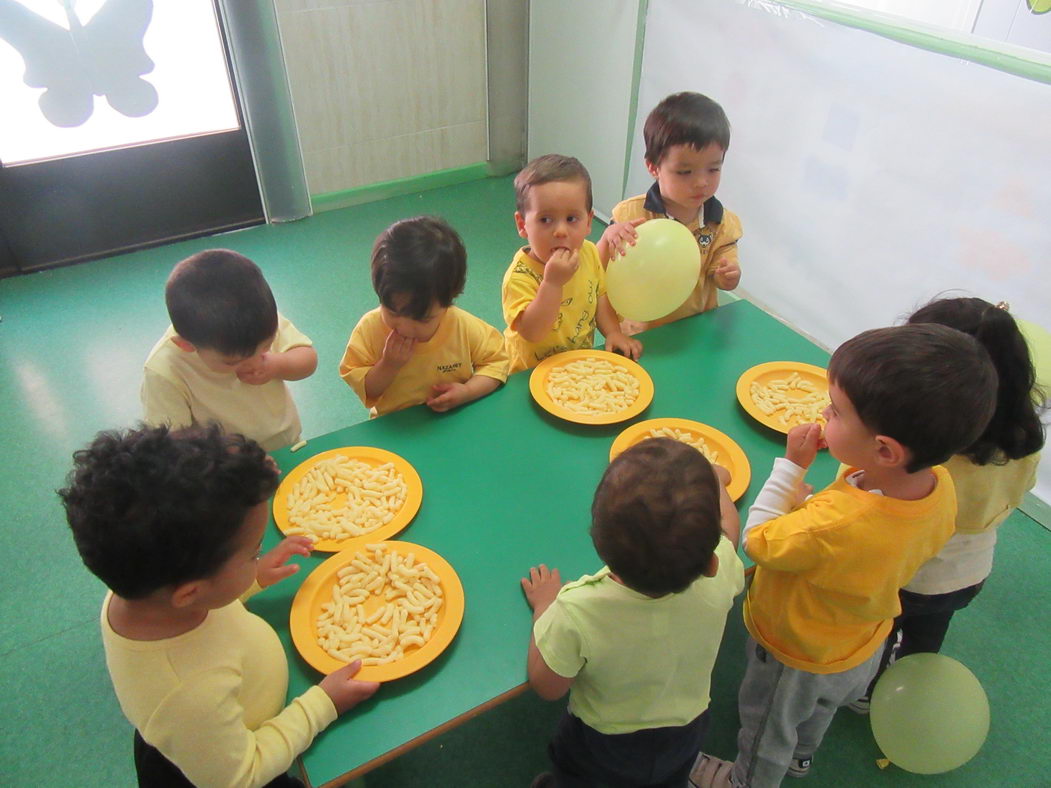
x,y
686,137
554,292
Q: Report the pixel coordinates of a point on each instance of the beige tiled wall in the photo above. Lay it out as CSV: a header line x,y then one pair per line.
x,y
385,89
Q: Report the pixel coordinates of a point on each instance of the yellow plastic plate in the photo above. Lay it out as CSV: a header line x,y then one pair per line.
x,y
317,589
730,455
374,457
777,370
538,387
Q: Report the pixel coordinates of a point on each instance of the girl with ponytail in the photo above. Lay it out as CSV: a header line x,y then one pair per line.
x,y
991,476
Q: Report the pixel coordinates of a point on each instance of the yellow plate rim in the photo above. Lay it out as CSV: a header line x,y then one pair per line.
x,y
744,382
739,481
539,374
413,496
319,582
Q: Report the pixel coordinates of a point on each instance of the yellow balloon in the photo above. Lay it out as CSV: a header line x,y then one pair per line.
x,y
657,274
929,713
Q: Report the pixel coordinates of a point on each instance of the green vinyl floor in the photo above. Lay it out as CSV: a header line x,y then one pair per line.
x,y
72,343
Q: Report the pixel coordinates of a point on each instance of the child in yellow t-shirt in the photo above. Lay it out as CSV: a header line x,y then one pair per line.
x,y
635,644
171,522
227,354
554,292
828,568
417,347
686,137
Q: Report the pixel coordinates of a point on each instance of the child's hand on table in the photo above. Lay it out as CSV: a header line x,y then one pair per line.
x,y
803,443
561,266
727,275
446,396
273,566
397,350
618,342
344,690
541,588
619,236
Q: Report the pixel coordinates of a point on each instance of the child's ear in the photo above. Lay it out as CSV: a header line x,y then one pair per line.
x,y
186,594
713,567
652,168
520,224
891,453
182,344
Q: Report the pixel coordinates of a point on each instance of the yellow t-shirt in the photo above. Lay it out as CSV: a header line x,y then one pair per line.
x,y
574,327
717,239
825,588
180,390
212,700
462,347
638,662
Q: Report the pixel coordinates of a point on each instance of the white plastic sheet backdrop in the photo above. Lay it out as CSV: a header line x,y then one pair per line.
x,y
869,175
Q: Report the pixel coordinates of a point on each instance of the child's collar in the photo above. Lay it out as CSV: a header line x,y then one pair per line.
x,y
654,203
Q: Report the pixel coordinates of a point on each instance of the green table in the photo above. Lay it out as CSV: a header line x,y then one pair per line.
x,y
507,486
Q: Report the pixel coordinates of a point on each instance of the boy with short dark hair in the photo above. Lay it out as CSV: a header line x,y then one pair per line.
x,y
417,347
172,522
687,136
227,354
635,644
828,569
554,292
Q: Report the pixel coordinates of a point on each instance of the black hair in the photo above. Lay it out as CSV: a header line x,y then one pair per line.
x,y
930,387
151,508
685,119
1015,429
547,169
422,258
218,300
655,519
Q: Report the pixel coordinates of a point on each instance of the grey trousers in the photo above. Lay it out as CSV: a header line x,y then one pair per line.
x,y
785,713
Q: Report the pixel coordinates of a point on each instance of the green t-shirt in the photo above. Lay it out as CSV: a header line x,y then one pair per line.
x,y
638,662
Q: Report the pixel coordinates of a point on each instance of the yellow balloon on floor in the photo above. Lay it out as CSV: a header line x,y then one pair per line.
x,y
929,713
657,274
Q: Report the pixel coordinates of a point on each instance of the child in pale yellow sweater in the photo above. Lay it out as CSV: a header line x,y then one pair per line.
x,y
172,522
417,348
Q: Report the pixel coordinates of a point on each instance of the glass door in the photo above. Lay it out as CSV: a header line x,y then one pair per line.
x,y
120,129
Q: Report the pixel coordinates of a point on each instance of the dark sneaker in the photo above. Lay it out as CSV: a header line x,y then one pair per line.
x,y
799,767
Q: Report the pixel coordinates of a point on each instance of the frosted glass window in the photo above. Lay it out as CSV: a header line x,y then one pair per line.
x,y
86,75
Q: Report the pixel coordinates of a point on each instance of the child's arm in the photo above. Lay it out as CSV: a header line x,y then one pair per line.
x,y
729,519
616,340
541,588
616,239
446,396
785,489
537,319
293,364
397,351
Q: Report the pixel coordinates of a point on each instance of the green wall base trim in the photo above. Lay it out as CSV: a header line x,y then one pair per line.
x,y
1037,510
396,188
1009,58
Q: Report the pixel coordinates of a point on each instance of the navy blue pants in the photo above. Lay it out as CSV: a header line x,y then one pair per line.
x,y
156,771
652,757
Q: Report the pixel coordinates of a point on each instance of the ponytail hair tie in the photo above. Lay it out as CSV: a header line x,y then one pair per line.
x,y
1004,306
